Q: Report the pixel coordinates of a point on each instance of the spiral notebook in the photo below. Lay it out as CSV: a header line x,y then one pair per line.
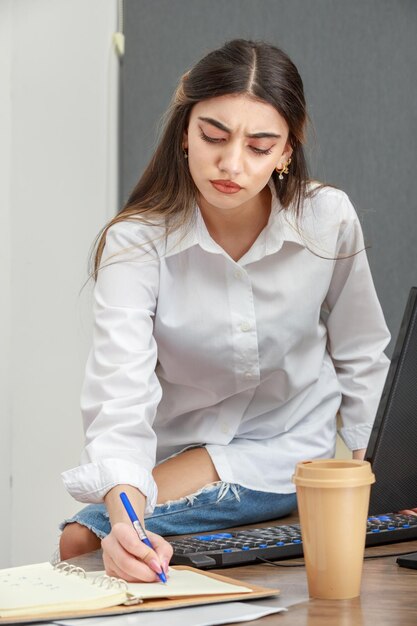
x,y
42,592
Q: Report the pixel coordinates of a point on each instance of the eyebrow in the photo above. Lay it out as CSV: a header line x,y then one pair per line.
x,y
221,126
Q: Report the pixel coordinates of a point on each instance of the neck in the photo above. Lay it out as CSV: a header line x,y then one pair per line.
x,y
237,229
251,217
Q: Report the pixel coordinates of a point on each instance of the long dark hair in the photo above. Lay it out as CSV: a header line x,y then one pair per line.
x,y
260,70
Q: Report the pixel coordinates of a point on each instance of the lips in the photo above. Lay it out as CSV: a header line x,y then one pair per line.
x,y
225,186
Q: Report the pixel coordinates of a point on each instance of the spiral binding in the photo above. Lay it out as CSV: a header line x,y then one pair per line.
x,y
67,569
104,581
110,582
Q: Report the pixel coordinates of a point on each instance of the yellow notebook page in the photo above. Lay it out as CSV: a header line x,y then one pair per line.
x,y
40,588
180,583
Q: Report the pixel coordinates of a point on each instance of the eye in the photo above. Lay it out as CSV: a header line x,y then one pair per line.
x,y
209,139
259,151
254,149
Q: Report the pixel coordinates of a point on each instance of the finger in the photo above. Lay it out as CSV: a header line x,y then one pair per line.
x,y
409,512
163,549
112,569
128,538
123,563
129,568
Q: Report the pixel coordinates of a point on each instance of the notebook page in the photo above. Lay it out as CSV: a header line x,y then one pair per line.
x,y
36,588
181,583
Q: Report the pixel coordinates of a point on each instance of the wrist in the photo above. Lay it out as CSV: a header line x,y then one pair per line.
x,y
115,508
359,455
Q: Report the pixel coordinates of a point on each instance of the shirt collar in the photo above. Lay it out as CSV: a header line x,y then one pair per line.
x,y
281,227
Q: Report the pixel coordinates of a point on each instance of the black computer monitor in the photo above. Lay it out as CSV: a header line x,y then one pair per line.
x,y
392,448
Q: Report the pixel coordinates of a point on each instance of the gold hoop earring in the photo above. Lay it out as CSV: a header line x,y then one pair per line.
x,y
283,170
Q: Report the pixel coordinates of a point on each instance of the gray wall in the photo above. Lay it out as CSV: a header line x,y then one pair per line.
x,y
358,60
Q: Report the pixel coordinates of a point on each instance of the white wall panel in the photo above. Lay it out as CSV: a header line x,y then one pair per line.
x,y
5,279
63,189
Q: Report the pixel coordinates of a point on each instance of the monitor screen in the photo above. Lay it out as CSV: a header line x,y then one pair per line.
x,y
392,448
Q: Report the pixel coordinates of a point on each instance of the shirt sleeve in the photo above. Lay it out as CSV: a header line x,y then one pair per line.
x,y
357,333
121,392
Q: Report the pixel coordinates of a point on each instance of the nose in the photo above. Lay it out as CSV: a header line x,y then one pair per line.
x,y
231,159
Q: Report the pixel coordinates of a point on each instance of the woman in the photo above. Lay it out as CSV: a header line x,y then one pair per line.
x,y
235,316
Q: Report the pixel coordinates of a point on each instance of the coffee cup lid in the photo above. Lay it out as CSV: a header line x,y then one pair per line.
x,y
327,473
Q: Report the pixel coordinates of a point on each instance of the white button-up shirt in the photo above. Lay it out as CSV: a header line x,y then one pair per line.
x,y
252,359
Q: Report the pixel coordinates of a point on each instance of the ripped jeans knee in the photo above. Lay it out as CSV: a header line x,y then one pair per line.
x,y
213,507
220,488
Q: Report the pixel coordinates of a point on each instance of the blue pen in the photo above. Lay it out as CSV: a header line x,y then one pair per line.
x,y
138,527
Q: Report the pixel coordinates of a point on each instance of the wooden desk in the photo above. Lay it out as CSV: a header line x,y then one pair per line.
x,y
388,598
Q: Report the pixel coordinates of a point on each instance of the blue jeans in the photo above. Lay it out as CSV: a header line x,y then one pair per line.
x,y
216,506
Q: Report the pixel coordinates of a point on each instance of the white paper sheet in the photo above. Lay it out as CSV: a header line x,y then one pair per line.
x,y
205,615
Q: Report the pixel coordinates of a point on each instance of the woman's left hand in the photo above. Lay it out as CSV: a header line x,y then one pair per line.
x,y
409,511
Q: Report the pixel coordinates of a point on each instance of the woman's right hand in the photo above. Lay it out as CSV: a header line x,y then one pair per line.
x,y
126,556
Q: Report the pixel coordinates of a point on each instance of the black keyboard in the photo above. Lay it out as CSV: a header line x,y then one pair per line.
x,y
226,549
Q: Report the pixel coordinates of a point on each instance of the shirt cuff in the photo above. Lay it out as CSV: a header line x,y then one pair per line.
x,y
356,437
90,482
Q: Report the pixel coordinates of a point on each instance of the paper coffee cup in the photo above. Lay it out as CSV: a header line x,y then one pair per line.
x,y
333,500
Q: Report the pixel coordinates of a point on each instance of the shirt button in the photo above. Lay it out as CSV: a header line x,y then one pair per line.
x,y
225,428
248,375
245,326
238,274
